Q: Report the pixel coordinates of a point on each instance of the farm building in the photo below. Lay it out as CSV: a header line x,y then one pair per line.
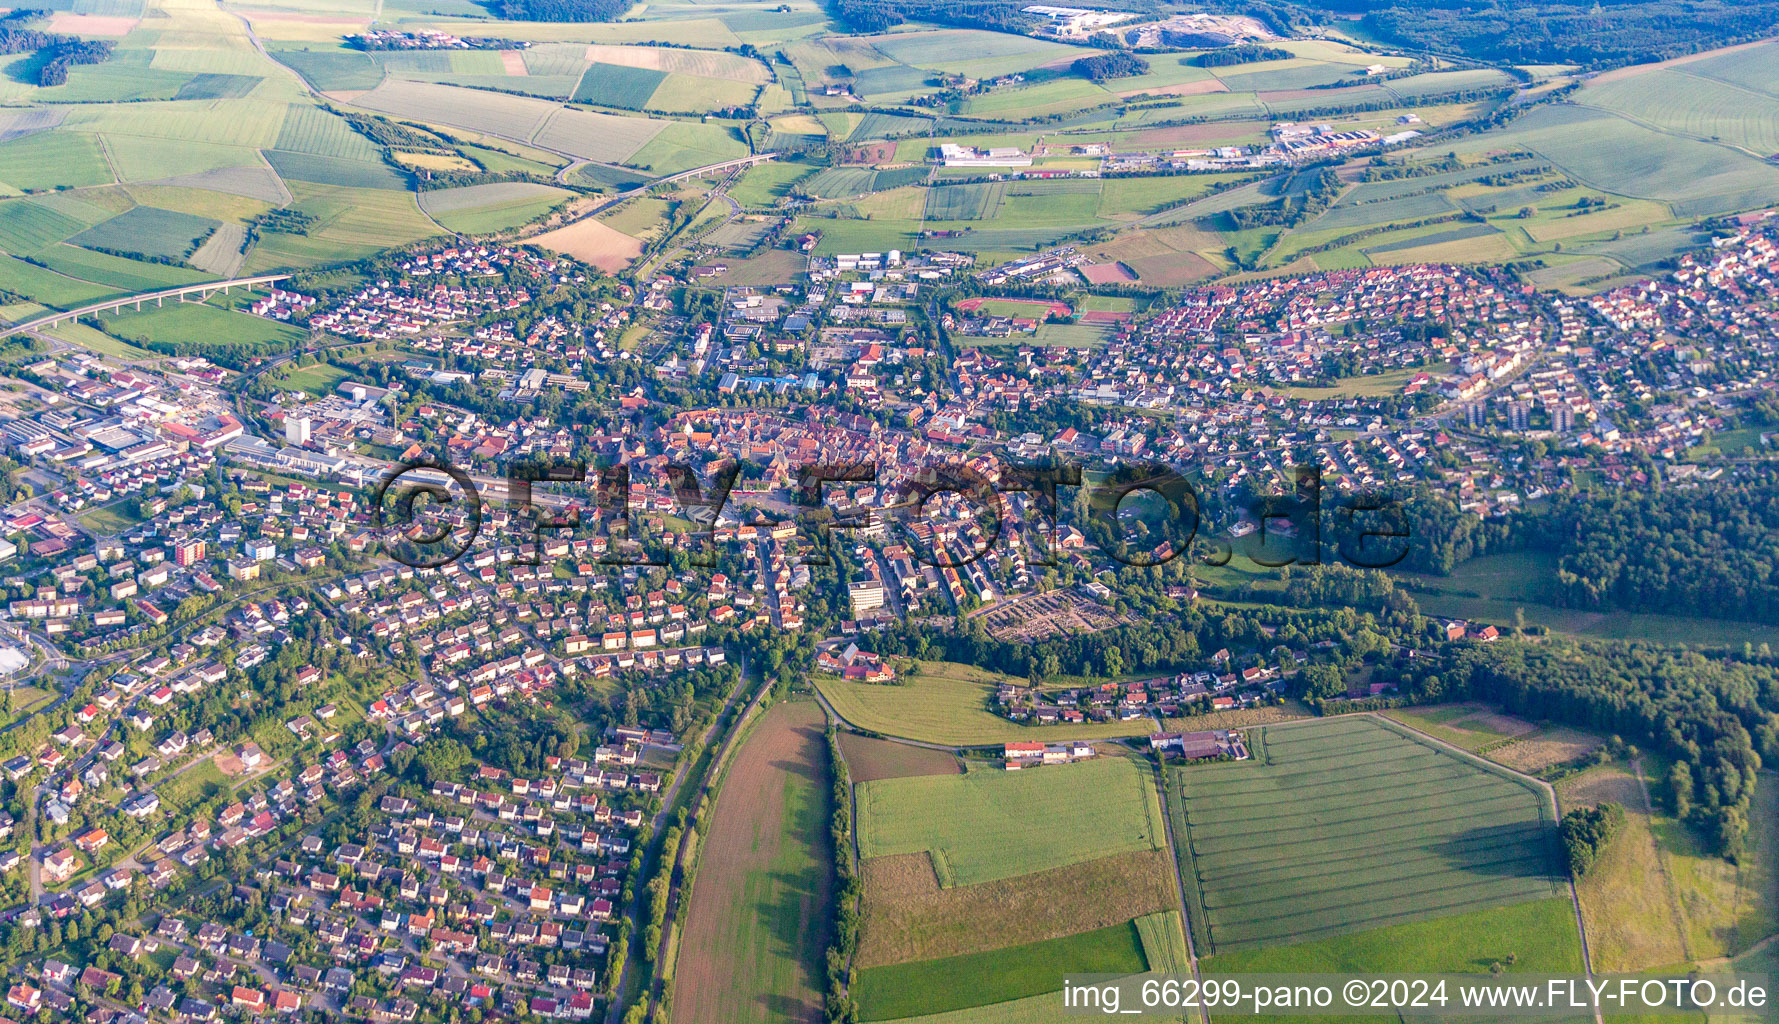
x,y
1200,746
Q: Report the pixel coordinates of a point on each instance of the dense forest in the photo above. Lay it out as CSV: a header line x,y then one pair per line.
x,y
878,15
559,10
54,53
1710,551
1584,32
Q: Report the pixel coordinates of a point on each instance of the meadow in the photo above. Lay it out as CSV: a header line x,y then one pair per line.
x,y
989,824
948,703
1347,825
198,324
318,379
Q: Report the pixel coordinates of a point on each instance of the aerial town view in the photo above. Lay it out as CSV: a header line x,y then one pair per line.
x,y
852,512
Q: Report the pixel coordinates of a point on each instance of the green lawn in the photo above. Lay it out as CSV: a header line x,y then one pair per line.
x,y
989,823
110,519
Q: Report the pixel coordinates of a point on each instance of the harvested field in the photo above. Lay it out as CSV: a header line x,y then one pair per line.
x,y
909,917
754,922
1035,309
446,200
594,136
223,252
1471,726
1241,718
592,242
513,63
1548,747
90,24
18,122
1172,269
869,759
1107,273
1198,88
1037,616
500,114
703,63
870,153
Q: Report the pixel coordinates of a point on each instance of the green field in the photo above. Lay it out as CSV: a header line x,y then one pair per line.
x,y
27,225
480,209
947,703
989,824
1612,152
116,271
319,379
52,160
976,201
200,324
109,519
764,184
1348,825
935,986
147,230
1540,935
1493,588
612,85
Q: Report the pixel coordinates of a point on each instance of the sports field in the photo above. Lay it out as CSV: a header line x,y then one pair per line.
x,y
1349,825
756,921
988,823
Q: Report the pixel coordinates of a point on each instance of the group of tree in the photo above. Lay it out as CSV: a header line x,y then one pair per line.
x,y
1115,64
839,1005
1303,194
560,10
1584,833
1245,53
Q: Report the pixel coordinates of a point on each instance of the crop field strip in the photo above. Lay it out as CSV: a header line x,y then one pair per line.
x,y
1279,851
975,979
